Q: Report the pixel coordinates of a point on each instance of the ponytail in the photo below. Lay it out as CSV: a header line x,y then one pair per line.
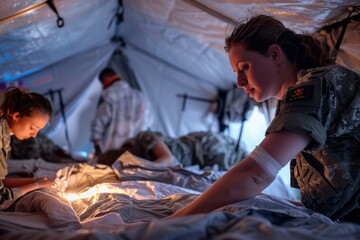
x,y
304,51
23,102
259,32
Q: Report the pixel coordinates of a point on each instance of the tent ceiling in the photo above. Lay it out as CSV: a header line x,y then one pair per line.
x,y
31,40
38,42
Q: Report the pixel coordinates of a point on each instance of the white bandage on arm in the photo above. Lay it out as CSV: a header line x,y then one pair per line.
x,y
267,162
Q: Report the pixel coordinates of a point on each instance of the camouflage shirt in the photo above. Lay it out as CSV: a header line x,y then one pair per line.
x,y
121,113
39,147
206,148
325,105
203,148
5,193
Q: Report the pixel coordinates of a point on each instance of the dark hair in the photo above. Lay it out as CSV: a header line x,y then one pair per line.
x,y
19,100
259,32
131,145
106,72
109,157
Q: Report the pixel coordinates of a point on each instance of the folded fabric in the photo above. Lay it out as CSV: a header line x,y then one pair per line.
x,y
49,201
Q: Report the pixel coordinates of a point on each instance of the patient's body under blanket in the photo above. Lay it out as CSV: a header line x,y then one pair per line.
x,y
203,148
131,168
40,147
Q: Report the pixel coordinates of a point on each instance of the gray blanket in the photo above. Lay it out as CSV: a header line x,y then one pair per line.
x,y
138,197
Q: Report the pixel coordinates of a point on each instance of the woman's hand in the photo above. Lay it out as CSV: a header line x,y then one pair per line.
x,y
163,154
37,183
44,182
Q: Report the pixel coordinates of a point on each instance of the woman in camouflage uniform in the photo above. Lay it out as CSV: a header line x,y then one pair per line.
x,y
317,121
22,114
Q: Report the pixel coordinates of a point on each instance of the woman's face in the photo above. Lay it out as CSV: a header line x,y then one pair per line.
x,y
256,73
24,127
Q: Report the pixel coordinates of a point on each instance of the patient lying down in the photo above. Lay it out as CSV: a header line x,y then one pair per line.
x,y
205,149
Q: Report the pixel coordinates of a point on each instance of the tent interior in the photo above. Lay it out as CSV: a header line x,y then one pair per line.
x,y
172,50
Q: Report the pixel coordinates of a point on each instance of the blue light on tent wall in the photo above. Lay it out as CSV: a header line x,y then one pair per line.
x,y
4,85
8,79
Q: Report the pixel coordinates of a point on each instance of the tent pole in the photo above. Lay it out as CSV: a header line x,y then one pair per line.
x,y
212,12
23,12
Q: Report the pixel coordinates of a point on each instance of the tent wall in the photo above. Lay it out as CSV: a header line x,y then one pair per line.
x,y
173,47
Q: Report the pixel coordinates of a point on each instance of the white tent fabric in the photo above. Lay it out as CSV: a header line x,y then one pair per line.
x,y
174,48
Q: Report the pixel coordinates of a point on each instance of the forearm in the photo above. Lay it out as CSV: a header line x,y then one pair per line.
x,y
249,177
165,160
163,154
17,182
245,180
28,188
27,184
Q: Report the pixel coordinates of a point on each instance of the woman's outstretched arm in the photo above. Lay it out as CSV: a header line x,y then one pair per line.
x,y
247,179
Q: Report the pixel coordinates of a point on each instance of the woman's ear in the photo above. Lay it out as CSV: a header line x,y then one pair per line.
x,y
16,116
274,52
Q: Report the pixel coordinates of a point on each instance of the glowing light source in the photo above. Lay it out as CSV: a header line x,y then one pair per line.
x,y
100,188
72,196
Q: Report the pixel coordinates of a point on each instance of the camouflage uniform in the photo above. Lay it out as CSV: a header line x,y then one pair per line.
x,y
202,148
206,149
325,105
121,113
5,193
39,147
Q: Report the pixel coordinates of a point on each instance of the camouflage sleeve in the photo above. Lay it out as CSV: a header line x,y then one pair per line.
x,y
3,163
102,118
8,193
301,112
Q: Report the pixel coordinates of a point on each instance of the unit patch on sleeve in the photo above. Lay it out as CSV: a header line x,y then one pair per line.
x,y
300,93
